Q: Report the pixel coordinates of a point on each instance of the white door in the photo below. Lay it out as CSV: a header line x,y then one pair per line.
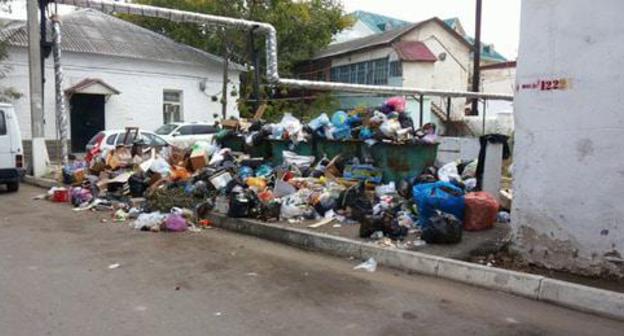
x,y
7,157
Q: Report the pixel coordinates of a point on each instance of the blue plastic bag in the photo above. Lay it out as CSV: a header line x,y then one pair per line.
x,y
442,196
339,119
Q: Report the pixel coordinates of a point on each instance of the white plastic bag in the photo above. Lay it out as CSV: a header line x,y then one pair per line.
x,y
470,170
390,127
293,126
219,156
301,161
160,166
386,189
449,173
149,221
369,265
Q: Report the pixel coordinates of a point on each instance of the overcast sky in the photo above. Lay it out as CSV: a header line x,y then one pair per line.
x,y
500,22
501,18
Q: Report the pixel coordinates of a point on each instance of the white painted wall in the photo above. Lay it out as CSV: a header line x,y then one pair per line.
x,y
418,74
455,148
453,72
141,84
569,162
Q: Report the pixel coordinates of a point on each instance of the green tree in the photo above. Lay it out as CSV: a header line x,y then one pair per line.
x,y
303,27
7,94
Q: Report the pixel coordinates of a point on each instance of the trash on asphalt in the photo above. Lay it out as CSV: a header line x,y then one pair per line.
x,y
326,170
369,265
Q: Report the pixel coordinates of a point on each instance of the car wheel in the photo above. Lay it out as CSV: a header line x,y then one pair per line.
x,y
13,186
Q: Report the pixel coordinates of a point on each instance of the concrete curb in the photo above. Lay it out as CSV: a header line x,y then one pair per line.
x,y
583,298
40,182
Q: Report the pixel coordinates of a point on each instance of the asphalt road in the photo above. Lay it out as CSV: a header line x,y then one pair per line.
x,y
55,280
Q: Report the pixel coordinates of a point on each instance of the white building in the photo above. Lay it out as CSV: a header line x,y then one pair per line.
x,y
118,74
568,157
432,54
498,78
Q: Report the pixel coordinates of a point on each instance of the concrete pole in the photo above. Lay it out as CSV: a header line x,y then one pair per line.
x,y
39,156
492,169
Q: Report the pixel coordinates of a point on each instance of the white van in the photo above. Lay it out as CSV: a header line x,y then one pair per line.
x,y
11,151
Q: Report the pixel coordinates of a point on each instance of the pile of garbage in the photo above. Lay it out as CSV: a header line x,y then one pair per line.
x,y
390,123
174,189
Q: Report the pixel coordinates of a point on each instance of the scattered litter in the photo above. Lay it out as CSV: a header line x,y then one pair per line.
x,y
113,266
369,265
339,169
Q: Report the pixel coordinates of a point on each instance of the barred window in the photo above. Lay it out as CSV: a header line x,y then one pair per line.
x,y
370,72
396,69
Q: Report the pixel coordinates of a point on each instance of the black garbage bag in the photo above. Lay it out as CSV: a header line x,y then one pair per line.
x,y
270,211
354,195
406,121
370,224
137,185
240,205
392,229
442,228
203,210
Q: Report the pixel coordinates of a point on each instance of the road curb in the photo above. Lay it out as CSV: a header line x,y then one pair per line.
x,y
40,182
583,298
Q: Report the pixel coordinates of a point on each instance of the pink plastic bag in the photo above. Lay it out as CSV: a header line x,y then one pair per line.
x,y
176,223
397,103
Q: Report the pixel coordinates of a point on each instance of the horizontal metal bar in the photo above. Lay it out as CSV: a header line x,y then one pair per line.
x,y
390,90
273,77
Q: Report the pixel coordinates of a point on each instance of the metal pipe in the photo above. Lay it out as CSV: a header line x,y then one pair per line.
x,y
61,110
484,111
422,110
476,59
108,6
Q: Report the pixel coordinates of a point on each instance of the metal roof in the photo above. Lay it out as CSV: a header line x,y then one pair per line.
x,y
93,32
379,23
381,39
414,51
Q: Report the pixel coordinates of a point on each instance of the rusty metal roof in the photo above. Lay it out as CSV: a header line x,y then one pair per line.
x,y
414,51
92,32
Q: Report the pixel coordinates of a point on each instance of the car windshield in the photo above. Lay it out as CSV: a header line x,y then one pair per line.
x,y
166,129
153,139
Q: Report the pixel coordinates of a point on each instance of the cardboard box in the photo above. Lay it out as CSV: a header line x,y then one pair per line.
x,y
198,160
231,124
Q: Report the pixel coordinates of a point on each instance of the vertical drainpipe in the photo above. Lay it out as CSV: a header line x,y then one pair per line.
x,y
61,108
476,59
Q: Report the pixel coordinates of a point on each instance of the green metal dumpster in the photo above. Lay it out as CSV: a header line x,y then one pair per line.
x,y
237,144
234,142
279,146
399,161
347,148
263,150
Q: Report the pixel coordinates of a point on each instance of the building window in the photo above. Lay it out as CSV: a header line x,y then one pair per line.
x,y
172,106
373,72
396,69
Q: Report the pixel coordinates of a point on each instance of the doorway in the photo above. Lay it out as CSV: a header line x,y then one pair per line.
x,y
87,119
